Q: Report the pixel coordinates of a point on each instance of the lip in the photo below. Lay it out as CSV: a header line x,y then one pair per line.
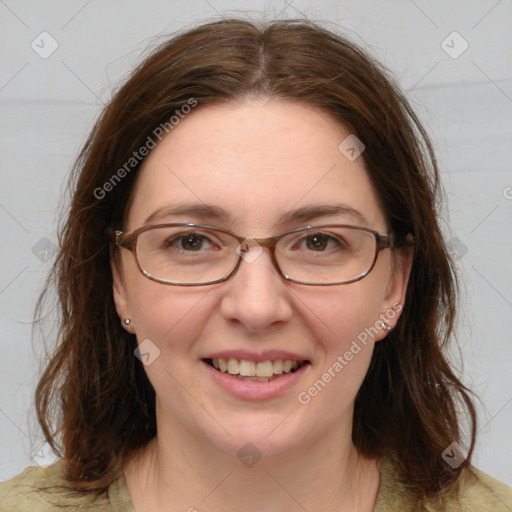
x,y
267,355
248,390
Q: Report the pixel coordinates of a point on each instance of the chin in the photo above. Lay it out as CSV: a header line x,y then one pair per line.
x,y
260,435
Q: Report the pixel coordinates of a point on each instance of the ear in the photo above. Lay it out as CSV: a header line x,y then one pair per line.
x,y
120,294
393,302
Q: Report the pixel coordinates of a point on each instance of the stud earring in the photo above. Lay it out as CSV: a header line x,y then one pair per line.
x,y
127,321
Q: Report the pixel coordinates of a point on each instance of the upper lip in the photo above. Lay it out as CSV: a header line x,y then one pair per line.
x,y
248,355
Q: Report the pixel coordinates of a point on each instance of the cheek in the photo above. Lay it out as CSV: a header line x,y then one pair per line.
x,y
170,316
344,323
341,314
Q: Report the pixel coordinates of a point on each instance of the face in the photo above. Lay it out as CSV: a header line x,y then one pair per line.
x,y
257,163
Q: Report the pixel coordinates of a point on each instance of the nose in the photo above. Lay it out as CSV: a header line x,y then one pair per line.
x,y
257,296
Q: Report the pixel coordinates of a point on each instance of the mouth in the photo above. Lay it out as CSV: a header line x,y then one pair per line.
x,y
256,371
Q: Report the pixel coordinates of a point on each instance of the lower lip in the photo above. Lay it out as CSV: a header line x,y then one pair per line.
x,y
249,390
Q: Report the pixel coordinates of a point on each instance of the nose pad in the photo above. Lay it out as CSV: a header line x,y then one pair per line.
x,y
249,250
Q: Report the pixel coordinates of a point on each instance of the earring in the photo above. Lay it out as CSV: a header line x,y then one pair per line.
x,y
386,326
127,321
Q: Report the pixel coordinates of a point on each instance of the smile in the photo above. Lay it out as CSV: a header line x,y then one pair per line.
x,y
255,371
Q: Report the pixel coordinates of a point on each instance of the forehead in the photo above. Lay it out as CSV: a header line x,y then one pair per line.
x,y
257,161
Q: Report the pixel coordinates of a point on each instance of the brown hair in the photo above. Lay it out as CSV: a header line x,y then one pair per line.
x,y
94,401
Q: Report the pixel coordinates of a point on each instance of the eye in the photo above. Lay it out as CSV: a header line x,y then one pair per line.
x,y
189,242
317,242
320,242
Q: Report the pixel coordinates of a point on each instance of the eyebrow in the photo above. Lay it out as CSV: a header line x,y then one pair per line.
x,y
200,210
308,213
212,212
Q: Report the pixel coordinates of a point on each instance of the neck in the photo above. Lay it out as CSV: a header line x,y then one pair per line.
x,y
184,472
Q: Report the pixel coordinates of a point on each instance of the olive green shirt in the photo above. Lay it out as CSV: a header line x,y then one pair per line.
x,y
45,489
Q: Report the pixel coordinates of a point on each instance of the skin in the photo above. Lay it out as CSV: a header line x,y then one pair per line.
x,y
256,159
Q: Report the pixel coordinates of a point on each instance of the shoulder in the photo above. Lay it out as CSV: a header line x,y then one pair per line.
x,y
46,489
474,490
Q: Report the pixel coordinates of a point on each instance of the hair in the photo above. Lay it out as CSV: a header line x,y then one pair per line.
x,y
94,401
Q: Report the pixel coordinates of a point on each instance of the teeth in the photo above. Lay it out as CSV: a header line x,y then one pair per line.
x,y
265,369
256,379
278,367
246,368
233,367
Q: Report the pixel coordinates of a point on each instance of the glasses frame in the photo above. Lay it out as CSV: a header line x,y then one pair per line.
x,y
129,241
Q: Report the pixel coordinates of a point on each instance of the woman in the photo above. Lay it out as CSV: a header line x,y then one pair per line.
x,y
255,293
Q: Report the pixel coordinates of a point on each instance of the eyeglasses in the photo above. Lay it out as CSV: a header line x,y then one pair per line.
x,y
198,255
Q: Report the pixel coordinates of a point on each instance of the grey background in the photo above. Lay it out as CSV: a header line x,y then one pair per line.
x,y
48,105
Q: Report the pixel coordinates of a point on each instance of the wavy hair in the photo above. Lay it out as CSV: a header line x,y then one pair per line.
x,y
94,402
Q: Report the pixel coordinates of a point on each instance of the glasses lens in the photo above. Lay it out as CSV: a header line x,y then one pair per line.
x,y
186,255
326,255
